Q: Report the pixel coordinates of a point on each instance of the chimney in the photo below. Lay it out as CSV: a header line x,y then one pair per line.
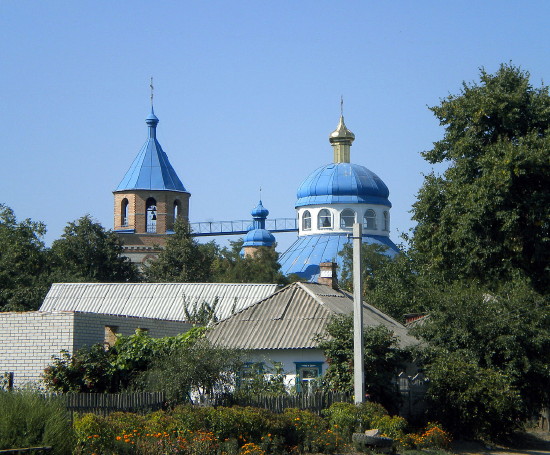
x,y
327,275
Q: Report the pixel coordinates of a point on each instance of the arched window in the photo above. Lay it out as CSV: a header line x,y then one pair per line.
x,y
325,219
176,209
151,215
347,218
124,212
306,221
386,221
369,219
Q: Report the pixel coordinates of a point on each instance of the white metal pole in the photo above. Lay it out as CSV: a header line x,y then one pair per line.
x,y
358,365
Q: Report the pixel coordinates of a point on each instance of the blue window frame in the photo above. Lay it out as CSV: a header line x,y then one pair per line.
x,y
307,372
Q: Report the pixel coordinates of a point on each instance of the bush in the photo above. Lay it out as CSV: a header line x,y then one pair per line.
x,y
30,419
348,418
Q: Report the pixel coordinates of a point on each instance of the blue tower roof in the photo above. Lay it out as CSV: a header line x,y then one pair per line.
x,y
258,235
151,170
307,252
343,183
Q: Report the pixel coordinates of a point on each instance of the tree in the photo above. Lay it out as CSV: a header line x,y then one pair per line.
x,y
488,215
382,359
88,252
95,369
502,339
262,267
373,259
183,259
200,367
23,264
472,401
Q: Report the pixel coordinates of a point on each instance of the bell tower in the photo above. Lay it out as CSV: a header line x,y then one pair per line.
x,y
149,199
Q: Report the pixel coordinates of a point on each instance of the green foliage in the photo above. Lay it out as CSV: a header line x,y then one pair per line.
x,y
262,267
198,367
88,370
504,335
30,419
88,252
203,314
95,369
488,216
261,379
23,263
349,418
382,358
471,400
373,261
196,430
183,259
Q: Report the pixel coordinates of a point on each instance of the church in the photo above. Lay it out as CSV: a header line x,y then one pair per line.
x,y
330,200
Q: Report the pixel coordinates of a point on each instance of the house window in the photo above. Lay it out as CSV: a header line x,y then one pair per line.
x,y
306,221
124,212
369,220
151,215
325,219
249,372
347,218
306,372
386,221
110,336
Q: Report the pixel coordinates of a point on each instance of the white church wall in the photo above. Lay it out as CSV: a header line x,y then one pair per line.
x,y
336,211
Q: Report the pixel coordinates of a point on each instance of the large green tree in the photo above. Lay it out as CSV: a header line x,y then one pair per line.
x,y
88,252
23,264
488,215
507,331
382,360
261,267
183,259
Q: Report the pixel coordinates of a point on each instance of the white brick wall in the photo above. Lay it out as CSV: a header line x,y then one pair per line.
x,y
29,340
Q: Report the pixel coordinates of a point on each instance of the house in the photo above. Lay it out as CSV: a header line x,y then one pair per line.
x,y
282,328
74,315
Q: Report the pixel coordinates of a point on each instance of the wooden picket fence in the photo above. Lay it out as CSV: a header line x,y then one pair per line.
x,y
106,403
311,401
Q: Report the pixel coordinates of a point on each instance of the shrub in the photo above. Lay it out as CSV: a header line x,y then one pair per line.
x,y
30,419
348,418
94,435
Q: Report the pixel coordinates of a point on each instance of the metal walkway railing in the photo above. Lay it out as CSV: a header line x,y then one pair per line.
x,y
239,227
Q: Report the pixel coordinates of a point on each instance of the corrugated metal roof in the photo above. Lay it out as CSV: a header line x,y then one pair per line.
x,y
293,316
153,300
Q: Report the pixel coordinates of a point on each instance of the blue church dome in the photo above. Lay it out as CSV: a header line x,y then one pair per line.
x,y
151,169
326,214
258,235
345,183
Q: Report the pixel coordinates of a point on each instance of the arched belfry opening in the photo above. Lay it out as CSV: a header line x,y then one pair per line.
x,y
151,216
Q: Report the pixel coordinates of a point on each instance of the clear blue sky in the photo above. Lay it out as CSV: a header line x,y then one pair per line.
x,y
246,93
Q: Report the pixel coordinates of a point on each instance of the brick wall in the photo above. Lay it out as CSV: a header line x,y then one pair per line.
x,y
137,207
29,340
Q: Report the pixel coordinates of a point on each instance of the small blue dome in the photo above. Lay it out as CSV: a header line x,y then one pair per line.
x,y
345,183
259,237
259,211
152,119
